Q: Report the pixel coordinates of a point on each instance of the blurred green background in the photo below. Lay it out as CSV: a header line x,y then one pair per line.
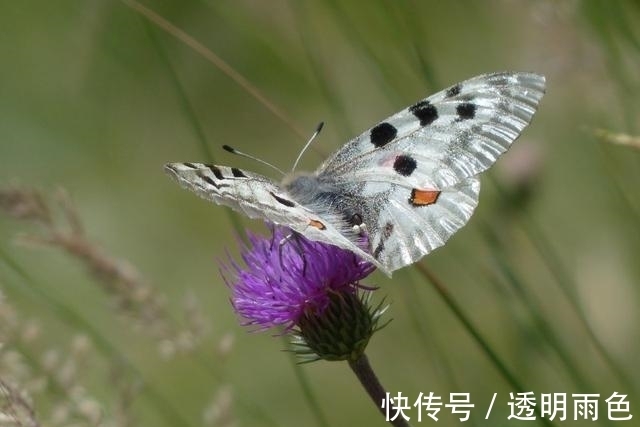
x,y
95,98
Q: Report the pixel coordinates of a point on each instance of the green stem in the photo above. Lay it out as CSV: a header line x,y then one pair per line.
x,y
189,112
216,61
566,284
543,326
362,368
453,306
307,390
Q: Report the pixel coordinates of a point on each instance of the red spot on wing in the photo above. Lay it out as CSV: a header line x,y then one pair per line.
x,y
423,197
317,224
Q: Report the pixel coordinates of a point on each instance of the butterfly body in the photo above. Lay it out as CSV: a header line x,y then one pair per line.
x,y
399,190
338,199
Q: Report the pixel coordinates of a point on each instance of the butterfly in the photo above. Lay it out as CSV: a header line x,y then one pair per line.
x,y
399,190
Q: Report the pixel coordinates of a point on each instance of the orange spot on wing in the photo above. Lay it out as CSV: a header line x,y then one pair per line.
x,y
317,224
423,197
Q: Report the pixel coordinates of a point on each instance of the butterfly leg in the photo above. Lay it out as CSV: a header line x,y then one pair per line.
x,y
294,238
273,241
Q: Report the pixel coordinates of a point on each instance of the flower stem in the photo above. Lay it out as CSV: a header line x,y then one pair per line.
x,y
370,382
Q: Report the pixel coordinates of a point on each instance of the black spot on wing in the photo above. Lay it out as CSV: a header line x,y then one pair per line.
x,y
424,111
405,165
215,171
238,173
382,134
466,110
453,91
209,180
379,249
283,201
388,230
190,165
386,233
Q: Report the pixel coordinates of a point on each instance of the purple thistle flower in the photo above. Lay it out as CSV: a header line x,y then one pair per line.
x,y
282,282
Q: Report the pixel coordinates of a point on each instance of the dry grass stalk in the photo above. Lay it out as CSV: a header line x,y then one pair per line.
x,y
617,138
16,408
62,228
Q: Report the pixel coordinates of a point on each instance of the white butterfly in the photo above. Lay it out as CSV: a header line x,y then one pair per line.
x,y
407,184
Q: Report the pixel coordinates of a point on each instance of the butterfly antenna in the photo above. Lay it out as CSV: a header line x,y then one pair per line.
x,y
318,129
248,156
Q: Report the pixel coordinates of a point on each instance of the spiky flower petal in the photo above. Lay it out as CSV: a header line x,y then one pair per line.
x,y
287,275
312,289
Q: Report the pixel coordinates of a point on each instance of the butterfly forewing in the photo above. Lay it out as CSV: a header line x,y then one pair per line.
x,y
258,197
445,138
251,194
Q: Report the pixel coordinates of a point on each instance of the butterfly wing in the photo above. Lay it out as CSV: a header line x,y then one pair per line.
x,y
410,180
416,171
407,224
258,197
443,139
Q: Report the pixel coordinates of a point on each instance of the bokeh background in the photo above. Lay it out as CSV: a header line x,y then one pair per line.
x,y
542,286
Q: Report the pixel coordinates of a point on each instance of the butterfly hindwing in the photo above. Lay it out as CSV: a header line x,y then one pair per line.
x,y
415,222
